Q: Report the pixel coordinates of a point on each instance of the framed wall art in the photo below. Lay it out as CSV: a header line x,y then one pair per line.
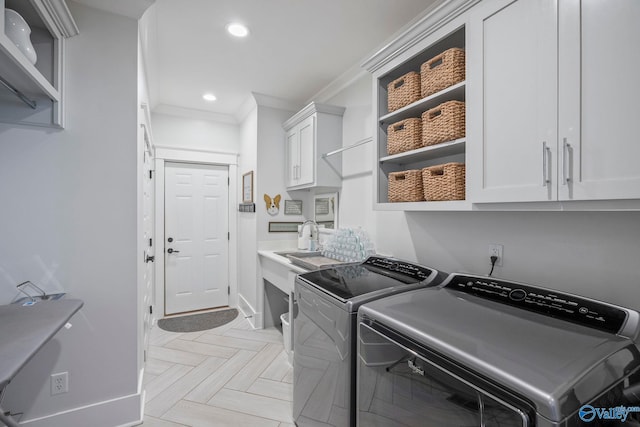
x,y
247,187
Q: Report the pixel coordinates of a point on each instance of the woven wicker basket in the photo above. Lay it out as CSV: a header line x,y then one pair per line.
x,y
445,122
404,135
442,71
406,186
403,91
444,182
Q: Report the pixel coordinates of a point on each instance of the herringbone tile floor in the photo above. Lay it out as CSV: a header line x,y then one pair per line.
x,y
227,376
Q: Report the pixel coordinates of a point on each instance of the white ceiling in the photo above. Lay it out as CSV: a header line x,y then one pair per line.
x,y
294,50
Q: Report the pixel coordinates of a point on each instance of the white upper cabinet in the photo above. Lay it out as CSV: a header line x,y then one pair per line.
x,y
599,60
32,94
312,132
553,100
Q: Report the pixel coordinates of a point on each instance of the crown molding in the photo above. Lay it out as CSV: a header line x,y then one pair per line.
x,y
190,113
58,15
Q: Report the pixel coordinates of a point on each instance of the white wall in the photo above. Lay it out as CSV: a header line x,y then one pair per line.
x,y
195,134
247,222
595,254
271,167
69,223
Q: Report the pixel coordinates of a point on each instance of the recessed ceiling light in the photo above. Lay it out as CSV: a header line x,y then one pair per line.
x,y
237,30
209,97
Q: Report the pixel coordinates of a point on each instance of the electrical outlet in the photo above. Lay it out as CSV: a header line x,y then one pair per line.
x,y
59,383
496,250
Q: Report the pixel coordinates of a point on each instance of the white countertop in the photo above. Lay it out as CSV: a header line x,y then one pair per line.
x,y
281,259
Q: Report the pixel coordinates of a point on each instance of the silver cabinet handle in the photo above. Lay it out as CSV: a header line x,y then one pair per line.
x,y
566,147
545,166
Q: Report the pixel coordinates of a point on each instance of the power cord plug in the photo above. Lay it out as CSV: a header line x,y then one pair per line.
x,y
494,259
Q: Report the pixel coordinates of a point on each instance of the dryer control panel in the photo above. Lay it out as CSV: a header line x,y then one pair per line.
x,y
414,271
573,308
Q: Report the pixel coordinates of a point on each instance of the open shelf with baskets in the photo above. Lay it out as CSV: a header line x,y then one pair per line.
x,y
425,129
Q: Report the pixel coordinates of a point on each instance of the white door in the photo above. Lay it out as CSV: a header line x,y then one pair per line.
x,y
307,151
293,157
196,237
599,61
148,219
512,47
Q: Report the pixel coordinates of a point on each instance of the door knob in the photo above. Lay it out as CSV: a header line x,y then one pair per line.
x,y
170,239
172,251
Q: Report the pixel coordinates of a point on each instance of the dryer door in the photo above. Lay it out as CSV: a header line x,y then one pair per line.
x,y
399,385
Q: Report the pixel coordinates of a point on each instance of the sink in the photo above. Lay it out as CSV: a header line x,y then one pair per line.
x,y
310,260
298,253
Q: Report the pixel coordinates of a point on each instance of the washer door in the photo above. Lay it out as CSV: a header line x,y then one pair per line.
x,y
399,386
323,365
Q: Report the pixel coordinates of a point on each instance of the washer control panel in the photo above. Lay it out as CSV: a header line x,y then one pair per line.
x,y
569,307
417,272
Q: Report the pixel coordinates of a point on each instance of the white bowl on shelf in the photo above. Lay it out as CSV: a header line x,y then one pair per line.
x,y
18,31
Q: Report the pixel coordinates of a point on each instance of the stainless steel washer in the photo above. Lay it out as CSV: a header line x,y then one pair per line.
x,y
478,351
325,321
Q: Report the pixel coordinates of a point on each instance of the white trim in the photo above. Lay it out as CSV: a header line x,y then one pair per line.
x,y
433,21
196,156
254,317
166,154
58,16
342,82
273,102
121,411
192,113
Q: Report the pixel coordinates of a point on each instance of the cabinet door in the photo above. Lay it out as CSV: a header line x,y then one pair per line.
x,y
599,93
293,157
513,91
306,141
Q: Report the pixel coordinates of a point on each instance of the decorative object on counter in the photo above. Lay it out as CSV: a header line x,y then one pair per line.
x,y
247,187
444,182
349,245
443,123
293,207
405,135
403,91
273,205
442,71
284,227
198,322
406,186
247,207
18,31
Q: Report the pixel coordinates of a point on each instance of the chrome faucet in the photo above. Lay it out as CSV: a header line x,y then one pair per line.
x,y
313,233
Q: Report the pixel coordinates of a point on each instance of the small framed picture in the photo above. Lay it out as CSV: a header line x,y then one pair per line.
x,y
293,207
247,187
283,227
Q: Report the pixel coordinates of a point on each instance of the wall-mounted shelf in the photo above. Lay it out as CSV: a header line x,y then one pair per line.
x,y
50,22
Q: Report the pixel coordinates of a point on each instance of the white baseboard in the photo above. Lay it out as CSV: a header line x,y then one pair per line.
x,y
254,317
122,412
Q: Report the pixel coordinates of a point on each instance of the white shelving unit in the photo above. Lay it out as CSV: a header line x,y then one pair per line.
x,y
33,94
452,35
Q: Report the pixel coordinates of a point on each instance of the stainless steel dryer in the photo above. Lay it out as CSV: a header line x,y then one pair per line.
x,y
325,322
484,352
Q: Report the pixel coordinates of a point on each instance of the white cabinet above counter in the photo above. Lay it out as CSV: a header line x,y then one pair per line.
x,y
310,133
32,93
549,107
